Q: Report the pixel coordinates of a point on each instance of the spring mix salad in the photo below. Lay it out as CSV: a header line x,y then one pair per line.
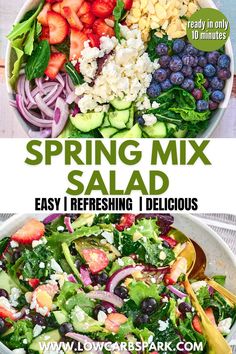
x,y
120,69
102,278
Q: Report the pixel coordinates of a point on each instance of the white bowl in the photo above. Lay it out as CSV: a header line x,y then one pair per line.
x,y
220,259
216,116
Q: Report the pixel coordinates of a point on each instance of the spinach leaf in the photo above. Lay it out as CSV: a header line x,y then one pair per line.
x,y
118,12
154,41
33,258
139,291
22,329
76,78
38,61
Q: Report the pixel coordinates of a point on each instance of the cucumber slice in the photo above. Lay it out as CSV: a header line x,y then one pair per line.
x,y
87,121
157,130
134,132
118,119
120,134
60,317
130,122
178,133
48,337
120,104
106,122
108,132
6,282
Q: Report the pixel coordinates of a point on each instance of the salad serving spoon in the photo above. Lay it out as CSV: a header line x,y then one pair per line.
x,y
216,342
198,273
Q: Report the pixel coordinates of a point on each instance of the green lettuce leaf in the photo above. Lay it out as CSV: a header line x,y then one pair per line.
x,y
122,262
68,290
190,115
139,291
16,44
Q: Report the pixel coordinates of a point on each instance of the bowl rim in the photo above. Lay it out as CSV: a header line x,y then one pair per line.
x,y
217,115
18,220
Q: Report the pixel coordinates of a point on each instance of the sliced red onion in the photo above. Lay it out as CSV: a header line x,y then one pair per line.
x,y
82,339
71,278
60,79
85,276
50,218
13,103
110,308
150,268
177,292
67,222
211,290
43,107
28,92
121,274
39,83
44,133
60,117
106,296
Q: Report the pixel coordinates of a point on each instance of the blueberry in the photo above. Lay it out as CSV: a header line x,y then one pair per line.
x,y
178,45
175,63
202,105
191,50
154,89
121,291
195,62
202,61
189,60
4,293
65,328
140,120
217,84
38,319
176,78
97,309
161,49
187,70
16,255
141,319
201,53
213,105
164,61
149,305
213,57
217,96
197,94
223,74
198,69
224,61
160,75
166,85
102,278
2,326
188,85
184,307
78,263
209,70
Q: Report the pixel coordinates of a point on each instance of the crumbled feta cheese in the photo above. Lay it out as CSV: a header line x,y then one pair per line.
x,y
101,317
149,119
155,104
37,330
58,278
163,325
19,351
4,302
224,326
60,228
120,262
41,265
13,296
55,266
162,255
153,280
198,284
165,299
25,341
36,243
150,339
14,244
108,236
0,263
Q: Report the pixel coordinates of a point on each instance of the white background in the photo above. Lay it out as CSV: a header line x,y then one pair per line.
x,y
214,185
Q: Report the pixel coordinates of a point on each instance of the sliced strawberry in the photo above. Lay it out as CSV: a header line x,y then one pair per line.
x,y
77,39
53,1
97,259
6,313
71,16
43,15
88,18
34,282
114,320
58,27
77,67
169,240
102,9
196,323
84,9
102,29
178,268
44,34
128,4
73,4
126,221
32,230
56,62
56,7
94,40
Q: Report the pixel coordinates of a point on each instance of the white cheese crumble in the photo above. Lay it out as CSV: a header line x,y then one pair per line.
x,y
162,255
155,104
41,265
60,228
13,296
19,351
163,325
126,74
120,262
101,317
108,236
14,244
198,285
36,243
37,330
149,119
25,341
55,266
4,302
224,326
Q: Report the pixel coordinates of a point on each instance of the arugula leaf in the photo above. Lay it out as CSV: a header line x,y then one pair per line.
x,y
118,12
70,259
38,61
190,335
16,44
139,291
22,329
152,254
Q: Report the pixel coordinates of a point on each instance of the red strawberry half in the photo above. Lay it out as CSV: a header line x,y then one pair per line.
x,y
102,29
58,27
71,16
84,9
73,4
88,18
56,62
32,230
94,40
6,313
102,9
43,15
77,39
97,259
126,221
34,282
